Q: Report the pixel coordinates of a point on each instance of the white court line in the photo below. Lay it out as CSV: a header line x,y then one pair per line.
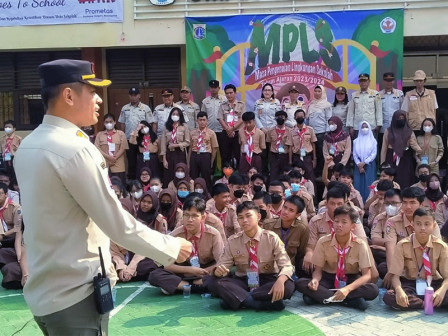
x,y
128,299
11,295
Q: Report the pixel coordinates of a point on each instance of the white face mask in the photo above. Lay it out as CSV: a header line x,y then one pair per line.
x,y
138,194
145,130
200,191
8,130
109,126
333,128
175,118
391,210
365,130
427,129
155,188
180,175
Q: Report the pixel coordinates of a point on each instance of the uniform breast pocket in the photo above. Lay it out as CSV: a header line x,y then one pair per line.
x,y
141,115
352,264
409,263
266,265
181,134
103,142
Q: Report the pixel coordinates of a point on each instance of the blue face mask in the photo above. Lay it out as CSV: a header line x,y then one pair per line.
x,y
295,187
182,193
287,193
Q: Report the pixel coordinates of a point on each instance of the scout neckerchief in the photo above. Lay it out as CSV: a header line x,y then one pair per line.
x,y
221,215
395,159
301,134
146,139
250,144
200,140
232,114
109,139
252,247
426,261
280,133
195,240
174,134
330,224
335,144
276,213
340,272
8,145
2,210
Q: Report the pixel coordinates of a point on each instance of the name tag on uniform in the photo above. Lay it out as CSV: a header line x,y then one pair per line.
x,y
186,117
342,284
202,149
146,156
420,286
302,152
332,150
424,159
246,149
8,157
111,147
230,118
281,149
253,280
413,98
194,261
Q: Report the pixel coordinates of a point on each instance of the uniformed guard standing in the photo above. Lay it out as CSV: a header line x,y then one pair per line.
x,y
293,105
130,116
189,107
162,111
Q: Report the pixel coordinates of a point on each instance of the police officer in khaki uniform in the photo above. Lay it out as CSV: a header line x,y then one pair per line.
x,y
59,290
162,111
365,105
262,279
207,249
130,116
211,105
420,103
189,107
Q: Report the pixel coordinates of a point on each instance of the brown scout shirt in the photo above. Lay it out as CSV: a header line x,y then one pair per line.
x,y
12,217
119,253
295,238
373,186
344,146
120,141
440,214
271,253
404,262
379,226
210,220
419,108
182,136
230,221
14,144
398,228
308,136
210,244
210,140
271,137
238,109
326,257
258,140
153,147
375,209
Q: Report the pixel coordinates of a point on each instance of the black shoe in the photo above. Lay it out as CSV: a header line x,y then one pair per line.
x,y
359,303
224,305
277,305
308,300
250,302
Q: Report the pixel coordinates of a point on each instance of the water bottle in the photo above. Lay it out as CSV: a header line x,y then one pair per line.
x,y
428,303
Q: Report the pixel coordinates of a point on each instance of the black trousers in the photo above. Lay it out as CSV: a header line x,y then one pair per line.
x,y
201,166
131,155
229,148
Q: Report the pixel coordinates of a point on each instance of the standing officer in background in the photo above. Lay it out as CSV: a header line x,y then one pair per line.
x,y
190,108
130,116
162,111
62,244
211,105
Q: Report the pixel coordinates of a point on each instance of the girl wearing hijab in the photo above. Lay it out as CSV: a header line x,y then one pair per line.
x,y
181,173
364,154
148,212
175,141
431,144
337,143
433,193
148,146
399,142
200,186
182,192
144,177
318,114
169,208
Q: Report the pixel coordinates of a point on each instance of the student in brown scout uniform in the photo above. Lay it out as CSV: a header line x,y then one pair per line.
x,y
113,144
181,172
200,187
377,206
417,257
277,191
342,262
220,206
9,144
280,139
298,180
303,145
290,228
401,225
337,143
253,142
262,279
264,203
174,143
423,177
387,173
169,208
238,187
203,148
148,213
207,249
346,177
10,218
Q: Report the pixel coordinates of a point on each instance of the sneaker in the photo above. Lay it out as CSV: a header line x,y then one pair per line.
x,y
308,300
164,291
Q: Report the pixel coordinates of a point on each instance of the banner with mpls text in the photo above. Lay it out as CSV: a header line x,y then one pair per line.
x,y
308,49
51,12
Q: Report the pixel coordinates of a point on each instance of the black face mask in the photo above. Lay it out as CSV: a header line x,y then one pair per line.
x,y
263,214
257,188
300,120
165,206
280,121
423,178
276,198
400,123
238,193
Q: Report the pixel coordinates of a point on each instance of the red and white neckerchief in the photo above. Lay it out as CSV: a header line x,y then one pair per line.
x,y
200,140
330,224
195,241
302,183
8,145
335,144
2,210
146,139
340,271
232,114
301,134
396,159
221,215
426,261
109,136
433,205
276,213
252,247
250,145
174,135
280,133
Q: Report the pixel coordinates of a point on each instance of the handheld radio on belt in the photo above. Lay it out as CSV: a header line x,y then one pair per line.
x,y
102,290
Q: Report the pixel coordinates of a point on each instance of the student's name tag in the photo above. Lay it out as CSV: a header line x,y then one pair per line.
x,y
302,152
8,157
186,117
194,261
252,279
413,98
424,159
420,286
146,156
246,149
202,149
111,147
342,284
230,118
281,149
332,150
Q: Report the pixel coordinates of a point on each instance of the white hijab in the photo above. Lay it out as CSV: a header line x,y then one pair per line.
x,y
365,145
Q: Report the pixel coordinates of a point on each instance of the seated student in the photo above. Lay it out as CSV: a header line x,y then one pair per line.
x,y
341,261
417,257
391,208
238,186
387,173
423,177
118,187
290,228
207,249
181,173
169,208
256,184
285,170
264,203
433,193
155,185
346,177
257,254
377,206
302,193
401,225
130,266
252,171
286,182
299,181
182,192
200,186
144,177
148,213
135,189
6,179
227,171
220,206
277,191
11,218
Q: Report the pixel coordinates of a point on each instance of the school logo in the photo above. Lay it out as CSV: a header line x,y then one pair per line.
x,y
199,31
388,25
162,2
